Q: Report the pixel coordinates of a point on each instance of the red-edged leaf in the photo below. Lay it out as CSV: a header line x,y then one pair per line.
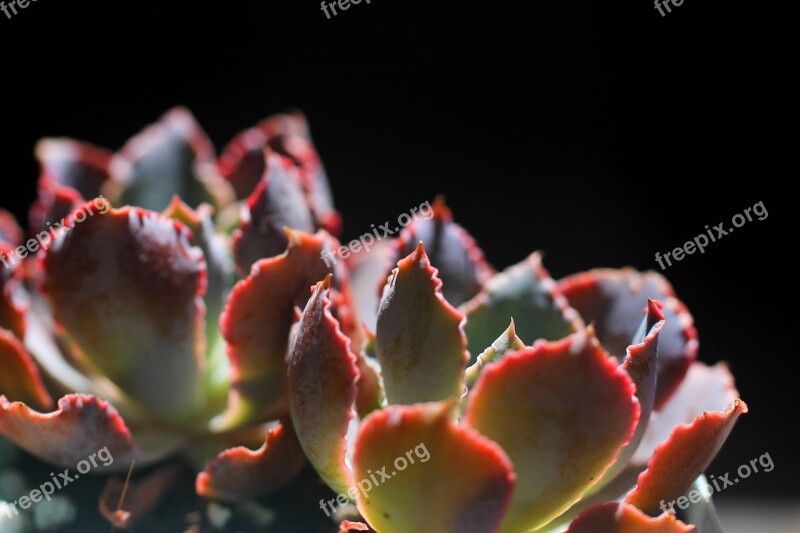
x,y
461,264
322,376
124,506
562,411
75,164
242,161
678,461
20,379
508,342
526,293
420,340
706,388
277,202
347,525
617,517
257,320
615,300
419,471
53,204
289,135
641,364
83,425
171,157
241,474
127,288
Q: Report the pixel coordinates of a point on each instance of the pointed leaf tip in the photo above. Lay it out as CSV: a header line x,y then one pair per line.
x,y
562,411
322,376
420,341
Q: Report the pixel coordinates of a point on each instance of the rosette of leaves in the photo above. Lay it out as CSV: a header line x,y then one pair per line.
x,y
191,316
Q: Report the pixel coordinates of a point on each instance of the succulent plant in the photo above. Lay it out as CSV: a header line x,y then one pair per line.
x,y
170,326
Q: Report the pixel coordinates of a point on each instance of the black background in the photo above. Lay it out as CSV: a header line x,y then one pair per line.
x,y
598,132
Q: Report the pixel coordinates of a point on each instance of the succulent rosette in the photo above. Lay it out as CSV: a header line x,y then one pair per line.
x,y
192,316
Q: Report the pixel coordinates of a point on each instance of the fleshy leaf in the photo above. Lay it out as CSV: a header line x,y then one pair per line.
x,y
75,164
322,375
277,202
139,498
641,364
127,288
53,203
171,157
506,343
420,340
289,135
257,320
526,293
461,264
562,411
615,300
79,428
403,449
20,379
241,474
243,162
677,462
706,388
617,517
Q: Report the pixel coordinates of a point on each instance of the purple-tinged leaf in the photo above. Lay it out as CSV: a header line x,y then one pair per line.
x,y
461,264
127,286
615,301
171,157
641,364
276,203
243,162
289,135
